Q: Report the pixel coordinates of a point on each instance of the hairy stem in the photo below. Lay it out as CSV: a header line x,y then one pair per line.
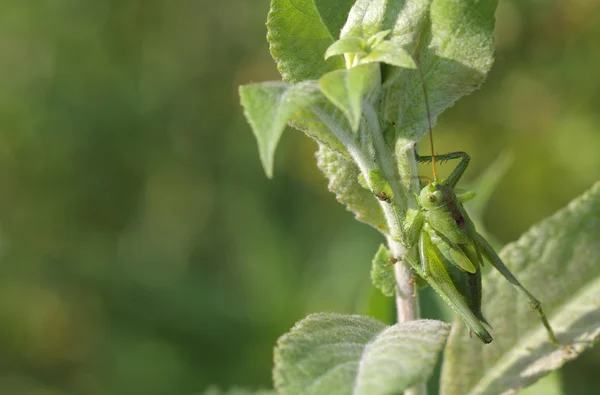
x,y
407,302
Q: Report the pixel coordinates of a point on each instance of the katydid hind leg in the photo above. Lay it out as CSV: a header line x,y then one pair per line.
x,y
458,171
495,260
475,300
440,280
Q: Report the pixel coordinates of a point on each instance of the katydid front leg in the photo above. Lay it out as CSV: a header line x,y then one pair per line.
x,y
457,173
412,227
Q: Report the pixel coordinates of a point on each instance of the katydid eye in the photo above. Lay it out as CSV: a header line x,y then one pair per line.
x,y
431,198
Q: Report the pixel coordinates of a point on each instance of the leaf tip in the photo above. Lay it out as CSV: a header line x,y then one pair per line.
x,y
267,159
268,168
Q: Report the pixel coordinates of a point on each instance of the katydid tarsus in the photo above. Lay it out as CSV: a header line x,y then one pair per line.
x,y
446,250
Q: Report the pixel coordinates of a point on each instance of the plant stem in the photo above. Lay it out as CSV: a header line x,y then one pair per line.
x,y
407,301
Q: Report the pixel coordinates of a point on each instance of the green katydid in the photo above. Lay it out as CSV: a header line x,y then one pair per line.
x,y
445,248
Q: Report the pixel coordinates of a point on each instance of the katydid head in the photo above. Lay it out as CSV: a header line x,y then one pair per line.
x,y
430,196
434,195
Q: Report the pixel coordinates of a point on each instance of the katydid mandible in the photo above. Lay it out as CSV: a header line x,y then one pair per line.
x,y
450,252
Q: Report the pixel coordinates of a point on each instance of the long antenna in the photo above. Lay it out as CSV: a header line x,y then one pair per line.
x,y
429,120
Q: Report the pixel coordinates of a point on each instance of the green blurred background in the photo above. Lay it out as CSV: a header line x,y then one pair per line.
x,y
142,249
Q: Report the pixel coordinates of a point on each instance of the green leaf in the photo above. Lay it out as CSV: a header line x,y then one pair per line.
x,y
346,45
453,42
333,14
391,53
268,107
346,88
298,39
382,272
350,354
558,260
343,175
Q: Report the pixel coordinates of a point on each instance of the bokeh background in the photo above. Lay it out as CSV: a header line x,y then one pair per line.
x,y
142,249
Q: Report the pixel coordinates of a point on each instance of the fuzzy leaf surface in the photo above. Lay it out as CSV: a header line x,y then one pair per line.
x,y
298,39
382,272
339,354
